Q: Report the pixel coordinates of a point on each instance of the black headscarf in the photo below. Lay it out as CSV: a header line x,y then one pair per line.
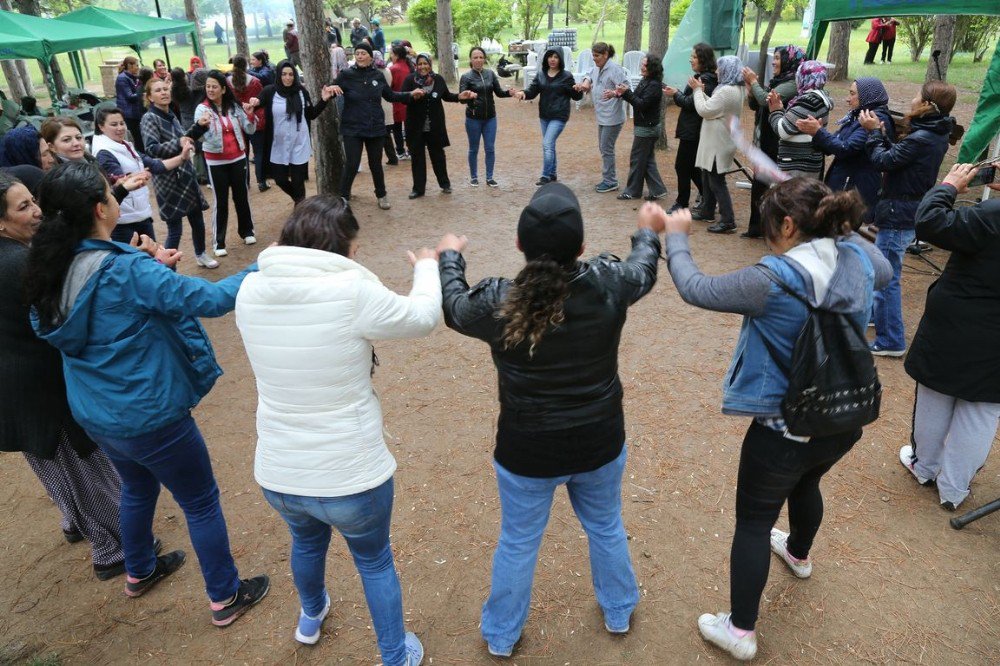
x,y
292,94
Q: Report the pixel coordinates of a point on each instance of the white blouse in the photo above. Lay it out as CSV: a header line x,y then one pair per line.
x,y
292,144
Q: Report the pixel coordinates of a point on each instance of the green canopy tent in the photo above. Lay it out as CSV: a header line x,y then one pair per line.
x,y
142,28
986,123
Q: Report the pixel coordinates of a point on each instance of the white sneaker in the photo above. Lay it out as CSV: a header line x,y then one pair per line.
x,y
206,261
383,203
220,252
249,240
717,629
907,458
779,546
311,628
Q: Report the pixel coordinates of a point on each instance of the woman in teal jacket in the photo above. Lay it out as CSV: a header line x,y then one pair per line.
x,y
136,361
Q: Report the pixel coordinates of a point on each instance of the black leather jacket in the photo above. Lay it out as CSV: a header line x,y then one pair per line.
x,y
485,84
572,379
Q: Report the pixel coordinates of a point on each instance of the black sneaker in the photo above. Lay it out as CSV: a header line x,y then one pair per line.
x,y
165,565
722,228
544,180
109,571
676,207
625,196
492,183
263,187
474,182
751,234
702,216
72,535
251,591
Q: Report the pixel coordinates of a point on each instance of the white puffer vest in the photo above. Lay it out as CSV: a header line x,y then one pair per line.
x,y
135,207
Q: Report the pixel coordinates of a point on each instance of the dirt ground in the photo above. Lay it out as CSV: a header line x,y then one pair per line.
x,y
892,583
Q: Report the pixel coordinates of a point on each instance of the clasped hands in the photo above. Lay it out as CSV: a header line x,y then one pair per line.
x,y
167,257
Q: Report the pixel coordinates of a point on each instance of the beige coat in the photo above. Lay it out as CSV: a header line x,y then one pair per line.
x,y
715,145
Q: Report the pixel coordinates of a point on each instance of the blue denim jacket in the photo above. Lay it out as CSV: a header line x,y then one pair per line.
x,y
755,384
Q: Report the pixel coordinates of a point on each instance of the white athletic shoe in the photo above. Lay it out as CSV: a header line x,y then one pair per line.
x,y
717,629
250,240
220,252
779,546
907,458
206,261
383,203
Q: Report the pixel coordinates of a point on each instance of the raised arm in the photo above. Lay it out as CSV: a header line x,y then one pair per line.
x,y
386,315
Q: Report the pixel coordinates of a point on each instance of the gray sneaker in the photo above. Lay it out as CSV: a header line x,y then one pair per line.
x,y
606,187
383,203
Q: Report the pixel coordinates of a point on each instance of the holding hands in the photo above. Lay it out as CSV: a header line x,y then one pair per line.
x,y
466,95
809,125
335,90
870,121
518,94
652,216
134,181
418,93
422,253
146,244
669,90
205,120
327,92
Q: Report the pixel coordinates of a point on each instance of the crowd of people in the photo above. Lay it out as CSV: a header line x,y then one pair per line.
x,y
93,312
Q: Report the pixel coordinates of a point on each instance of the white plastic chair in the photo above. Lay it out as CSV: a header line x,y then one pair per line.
x,y
584,63
567,58
632,61
530,68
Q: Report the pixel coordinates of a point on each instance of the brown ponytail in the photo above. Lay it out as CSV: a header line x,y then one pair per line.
x,y
534,303
817,211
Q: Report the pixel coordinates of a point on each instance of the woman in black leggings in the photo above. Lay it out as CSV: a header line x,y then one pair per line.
x,y
803,222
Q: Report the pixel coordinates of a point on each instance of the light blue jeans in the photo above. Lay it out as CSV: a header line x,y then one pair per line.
x,y
889,332
524,508
551,129
487,129
363,520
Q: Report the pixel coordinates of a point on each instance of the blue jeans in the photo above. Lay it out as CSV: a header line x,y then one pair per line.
x,y
487,129
524,507
889,333
551,129
363,520
175,456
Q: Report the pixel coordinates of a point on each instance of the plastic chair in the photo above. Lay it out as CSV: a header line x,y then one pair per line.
x,y
530,69
584,63
632,62
568,58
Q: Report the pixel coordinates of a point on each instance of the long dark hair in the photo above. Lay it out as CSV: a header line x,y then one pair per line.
x,y
67,195
706,57
654,67
534,303
180,91
228,99
239,73
818,212
292,94
322,222
604,49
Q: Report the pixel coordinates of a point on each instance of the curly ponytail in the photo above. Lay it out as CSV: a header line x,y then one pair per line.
x,y
840,212
67,195
817,211
534,303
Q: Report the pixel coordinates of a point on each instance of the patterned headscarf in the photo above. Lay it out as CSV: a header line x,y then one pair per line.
x,y
811,75
871,95
730,71
791,57
20,146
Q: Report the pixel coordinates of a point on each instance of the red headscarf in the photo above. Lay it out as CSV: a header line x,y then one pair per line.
x,y
195,63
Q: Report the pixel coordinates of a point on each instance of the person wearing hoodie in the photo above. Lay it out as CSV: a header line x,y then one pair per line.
x,y
688,129
851,168
804,224
127,327
796,154
910,167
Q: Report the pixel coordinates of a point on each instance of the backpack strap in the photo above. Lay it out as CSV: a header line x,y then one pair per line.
x,y
773,277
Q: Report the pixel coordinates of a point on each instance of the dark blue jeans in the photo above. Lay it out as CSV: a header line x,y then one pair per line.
x,y
487,130
122,233
175,456
175,230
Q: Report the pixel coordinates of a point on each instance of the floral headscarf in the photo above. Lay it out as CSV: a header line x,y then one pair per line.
x,y
791,57
811,75
729,69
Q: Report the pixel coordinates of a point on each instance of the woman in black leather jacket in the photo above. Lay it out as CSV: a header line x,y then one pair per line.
x,y
553,332
646,99
481,113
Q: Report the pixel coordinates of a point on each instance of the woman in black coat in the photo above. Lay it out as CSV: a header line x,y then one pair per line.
x,y
425,125
688,130
645,99
954,357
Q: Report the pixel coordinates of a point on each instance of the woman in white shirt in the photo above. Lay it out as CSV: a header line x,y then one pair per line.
x,y
308,319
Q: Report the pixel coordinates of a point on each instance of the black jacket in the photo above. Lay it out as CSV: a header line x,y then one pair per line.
x,y
556,92
485,84
33,408
956,350
689,121
910,167
309,113
572,379
364,88
646,99
432,105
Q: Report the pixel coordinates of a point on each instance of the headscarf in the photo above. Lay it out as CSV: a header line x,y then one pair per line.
x,y
20,146
811,75
292,93
729,70
195,63
422,81
791,57
871,95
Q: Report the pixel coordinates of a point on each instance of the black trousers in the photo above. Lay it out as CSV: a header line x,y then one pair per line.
x,y
226,178
397,137
872,51
291,178
774,469
390,150
887,45
642,168
757,191
687,172
352,151
716,192
418,163
133,128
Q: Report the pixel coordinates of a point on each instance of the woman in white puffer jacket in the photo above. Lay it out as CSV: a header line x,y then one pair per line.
x,y
308,319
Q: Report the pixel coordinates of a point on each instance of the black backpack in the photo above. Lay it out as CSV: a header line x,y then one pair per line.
x,y
833,385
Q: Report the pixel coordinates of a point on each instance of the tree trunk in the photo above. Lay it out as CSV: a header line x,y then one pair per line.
x,y
256,25
633,26
329,149
762,62
191,12
659,23
944,34
840,48
14,83
22,69
446,35
552,11
267,25
239,27
756,27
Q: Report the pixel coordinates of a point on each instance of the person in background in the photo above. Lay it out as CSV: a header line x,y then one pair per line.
x,y
332,33
400,68
324,463
219,33
391,157
160,70
481,113
554,332
874,38
358,32
716,148
338,61
796,155
954,357
555,87
290,36
851,168
25,146
245,87
602,82
688,130
646,99
805,226
128,97
378,37
888,37
194,64
910,169
260,66
784,64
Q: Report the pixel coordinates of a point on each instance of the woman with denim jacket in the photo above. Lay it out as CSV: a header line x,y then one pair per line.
x,y
553,332
803,224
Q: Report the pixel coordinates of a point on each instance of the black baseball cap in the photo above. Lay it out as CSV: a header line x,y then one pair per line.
x,y
551,224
